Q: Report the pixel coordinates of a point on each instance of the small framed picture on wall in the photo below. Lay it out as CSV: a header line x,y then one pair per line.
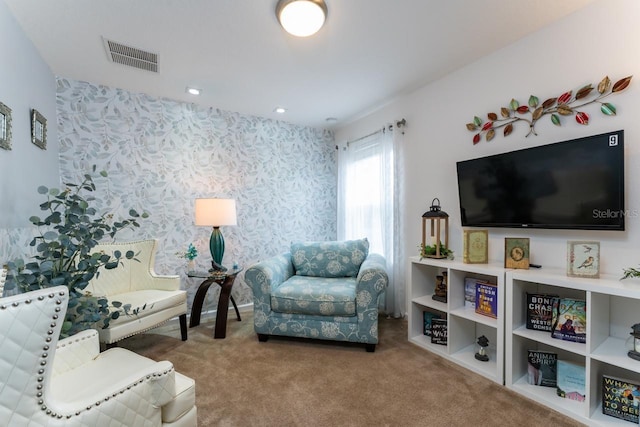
x,y
516,252
5,127
38,129
583,259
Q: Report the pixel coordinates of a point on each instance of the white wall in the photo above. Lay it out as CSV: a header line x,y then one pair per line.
x,y
602,39
26,82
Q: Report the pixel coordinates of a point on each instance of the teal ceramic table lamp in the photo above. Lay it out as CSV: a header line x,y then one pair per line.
x,y
216,213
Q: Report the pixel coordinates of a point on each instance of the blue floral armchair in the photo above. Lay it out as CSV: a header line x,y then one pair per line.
x,y
322,290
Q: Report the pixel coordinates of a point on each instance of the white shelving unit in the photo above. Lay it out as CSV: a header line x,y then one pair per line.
x,y
612,307
464,325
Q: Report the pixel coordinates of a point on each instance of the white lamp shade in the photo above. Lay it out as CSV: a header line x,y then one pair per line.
x,y
301,18
216,212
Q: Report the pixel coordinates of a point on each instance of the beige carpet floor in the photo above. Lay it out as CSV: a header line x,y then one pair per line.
x,y
294,382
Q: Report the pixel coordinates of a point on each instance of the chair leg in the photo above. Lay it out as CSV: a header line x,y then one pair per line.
x,y
183,326
263,337
370,348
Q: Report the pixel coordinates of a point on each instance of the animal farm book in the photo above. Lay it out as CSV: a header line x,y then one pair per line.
x,y
569,320
620,398
542,368
539,312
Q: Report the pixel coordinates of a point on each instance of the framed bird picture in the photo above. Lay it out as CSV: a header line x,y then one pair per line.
x,y
516,252
583,259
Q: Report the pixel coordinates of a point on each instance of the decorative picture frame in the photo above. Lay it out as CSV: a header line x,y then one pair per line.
x,y
38,129
5,127
516,252
475,247
583,259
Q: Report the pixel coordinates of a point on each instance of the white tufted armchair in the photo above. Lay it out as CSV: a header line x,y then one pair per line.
x,y
44,382
136,283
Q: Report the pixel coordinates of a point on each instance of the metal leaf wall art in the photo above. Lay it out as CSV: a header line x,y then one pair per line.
x,y
566,104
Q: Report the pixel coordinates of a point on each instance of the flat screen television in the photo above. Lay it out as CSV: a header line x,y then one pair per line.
x,y
576,184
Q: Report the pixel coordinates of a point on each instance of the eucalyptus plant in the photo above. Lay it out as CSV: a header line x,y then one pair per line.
x,y
67,235
630,272
427,250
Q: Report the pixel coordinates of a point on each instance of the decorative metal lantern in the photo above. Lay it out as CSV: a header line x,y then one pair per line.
x,y
483,343
635,353
439,220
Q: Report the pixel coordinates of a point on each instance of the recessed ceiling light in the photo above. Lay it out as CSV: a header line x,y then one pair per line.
x,y
331,120
280,110
193,91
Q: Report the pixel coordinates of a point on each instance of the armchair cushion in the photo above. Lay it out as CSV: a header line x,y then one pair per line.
x,y
329,259
147,302
316,296
111,371
185,392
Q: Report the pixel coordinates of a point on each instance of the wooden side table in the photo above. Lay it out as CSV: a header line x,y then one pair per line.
x,y
225,281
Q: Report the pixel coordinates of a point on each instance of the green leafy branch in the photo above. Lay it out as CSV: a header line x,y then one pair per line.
x,y
427,251
64,247
630,272
566,104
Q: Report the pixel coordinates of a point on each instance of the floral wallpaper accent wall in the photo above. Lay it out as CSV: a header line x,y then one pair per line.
x,y
162,154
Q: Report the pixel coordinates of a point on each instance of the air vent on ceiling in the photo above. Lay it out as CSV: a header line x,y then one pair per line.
x,y
131,56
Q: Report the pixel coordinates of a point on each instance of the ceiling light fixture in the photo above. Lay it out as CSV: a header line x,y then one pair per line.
x,y
280,110
193,91
301,18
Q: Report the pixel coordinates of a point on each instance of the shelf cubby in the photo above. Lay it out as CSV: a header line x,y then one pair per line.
x,y
464,325
612,307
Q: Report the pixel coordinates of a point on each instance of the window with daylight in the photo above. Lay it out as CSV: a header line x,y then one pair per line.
x,y
368,204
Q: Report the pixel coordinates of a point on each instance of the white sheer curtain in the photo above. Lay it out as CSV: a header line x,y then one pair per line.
x,y
368,204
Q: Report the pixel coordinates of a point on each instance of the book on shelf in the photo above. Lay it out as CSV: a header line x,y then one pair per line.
x,y
470,292
541,368
570,380
475,245
428,317
439,331
539,311
569,320
620,398
487,299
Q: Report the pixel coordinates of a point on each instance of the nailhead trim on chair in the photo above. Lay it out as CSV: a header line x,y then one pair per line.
x,y
45,355
76,340
140,331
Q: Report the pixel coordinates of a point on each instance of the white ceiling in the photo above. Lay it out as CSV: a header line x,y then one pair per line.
x,y
368,53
